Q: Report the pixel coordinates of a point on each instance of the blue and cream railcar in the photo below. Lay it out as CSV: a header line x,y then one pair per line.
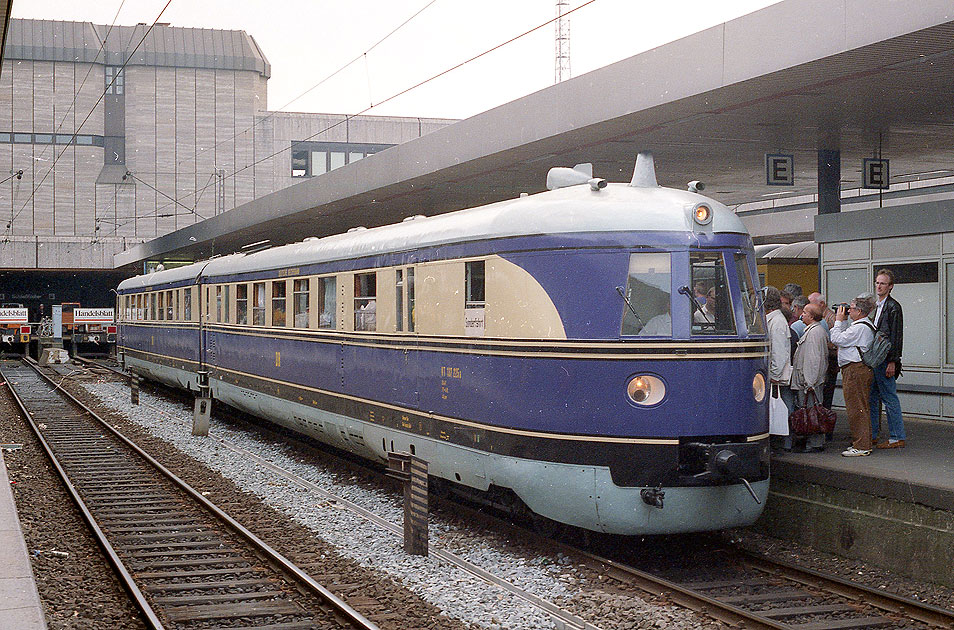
x,y
550,345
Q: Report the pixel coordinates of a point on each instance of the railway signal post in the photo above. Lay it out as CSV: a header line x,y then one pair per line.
x,y
203,406
412,472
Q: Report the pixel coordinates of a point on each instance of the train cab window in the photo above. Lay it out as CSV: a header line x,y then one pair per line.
x,y
646,308
258,304
169,309
711,315
326,302
279,303
365,301
187,304
751,303
241,304
300,303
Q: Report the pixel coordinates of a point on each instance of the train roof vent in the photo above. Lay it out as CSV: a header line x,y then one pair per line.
x,y
561,176
359,228
309,239
413,218
644,175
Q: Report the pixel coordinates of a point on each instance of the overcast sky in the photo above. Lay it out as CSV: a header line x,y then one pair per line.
x,y
307,40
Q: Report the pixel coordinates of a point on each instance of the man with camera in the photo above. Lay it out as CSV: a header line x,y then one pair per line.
x,y
851,340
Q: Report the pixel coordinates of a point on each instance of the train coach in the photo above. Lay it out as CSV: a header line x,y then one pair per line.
x,y
549,351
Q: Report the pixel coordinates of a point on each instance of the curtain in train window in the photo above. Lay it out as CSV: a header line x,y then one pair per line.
x,y
646,308
241,304
279,303
326,302
365,301
300,300
258,304
714,317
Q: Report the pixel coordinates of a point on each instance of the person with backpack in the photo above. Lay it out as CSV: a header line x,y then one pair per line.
x,y
852,340
888,319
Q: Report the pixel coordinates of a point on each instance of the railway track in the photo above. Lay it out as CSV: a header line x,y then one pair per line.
x,y
185,563
751,591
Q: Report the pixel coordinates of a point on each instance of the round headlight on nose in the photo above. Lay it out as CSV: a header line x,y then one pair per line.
x,y
702,214
644,389
758,387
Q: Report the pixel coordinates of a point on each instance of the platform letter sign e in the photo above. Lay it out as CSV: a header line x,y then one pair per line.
x,y
876,174
779,169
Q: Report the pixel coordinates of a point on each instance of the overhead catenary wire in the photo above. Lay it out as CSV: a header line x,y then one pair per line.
x,y
93,109
457,66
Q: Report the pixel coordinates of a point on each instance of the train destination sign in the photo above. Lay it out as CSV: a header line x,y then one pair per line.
x,y
93,316
14,315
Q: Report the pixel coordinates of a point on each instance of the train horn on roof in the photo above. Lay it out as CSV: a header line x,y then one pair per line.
x,y
644,175
561,177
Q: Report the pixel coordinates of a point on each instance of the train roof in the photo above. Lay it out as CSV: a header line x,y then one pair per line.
x,y
568,210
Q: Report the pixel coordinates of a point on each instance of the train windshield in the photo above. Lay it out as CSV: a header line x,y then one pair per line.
x,y
713,314
647,295
751,304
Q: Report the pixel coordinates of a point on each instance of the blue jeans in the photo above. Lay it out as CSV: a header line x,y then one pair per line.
x,y
884,390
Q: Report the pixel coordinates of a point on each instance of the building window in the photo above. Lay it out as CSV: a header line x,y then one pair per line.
x,y
258,304
115,80
337,159
326,303
365,301
278,303
319,162
23,137
299,163
241,304
301,303
43,138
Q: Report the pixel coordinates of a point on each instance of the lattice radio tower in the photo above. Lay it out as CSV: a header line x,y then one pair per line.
x,y
562,41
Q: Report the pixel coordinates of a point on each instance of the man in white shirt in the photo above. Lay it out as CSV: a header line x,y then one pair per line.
x,y
852,339
780,353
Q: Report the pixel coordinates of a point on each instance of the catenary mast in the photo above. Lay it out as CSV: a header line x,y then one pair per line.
x,y
562,41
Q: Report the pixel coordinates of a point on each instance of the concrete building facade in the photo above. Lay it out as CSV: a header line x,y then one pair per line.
x,y
106,142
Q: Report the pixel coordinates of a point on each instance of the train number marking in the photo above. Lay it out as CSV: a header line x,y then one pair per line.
x,y
450,372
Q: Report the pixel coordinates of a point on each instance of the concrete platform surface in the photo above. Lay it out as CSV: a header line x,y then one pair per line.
x,y
922,472
20,607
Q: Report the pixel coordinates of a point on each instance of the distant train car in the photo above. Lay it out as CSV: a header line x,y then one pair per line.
x,y
89,327
795,262
15,327
547,350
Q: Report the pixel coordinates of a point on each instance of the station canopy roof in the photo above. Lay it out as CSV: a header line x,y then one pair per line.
x,y
865,78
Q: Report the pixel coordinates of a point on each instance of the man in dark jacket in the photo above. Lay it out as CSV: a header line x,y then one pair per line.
x,y
888,319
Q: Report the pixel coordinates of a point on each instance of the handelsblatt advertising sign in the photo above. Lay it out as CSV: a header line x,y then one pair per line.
x,y
14,315
93,316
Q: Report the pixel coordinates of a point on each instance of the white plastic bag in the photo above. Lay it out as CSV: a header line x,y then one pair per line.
x,y
778,412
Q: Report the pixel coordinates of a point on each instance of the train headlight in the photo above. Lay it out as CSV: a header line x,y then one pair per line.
x,y
758,387
702,214
645,389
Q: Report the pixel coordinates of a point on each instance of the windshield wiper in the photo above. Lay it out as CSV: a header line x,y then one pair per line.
x,y
695,305
630,305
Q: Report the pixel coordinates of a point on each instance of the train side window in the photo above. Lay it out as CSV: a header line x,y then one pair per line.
x,y
399,298
161,307
152,306
300,303
258,304
751,303
140,314
647,309
169,310
178,311
326,302
241,304
714,316
187,304
218,303
410,299
279,303
474,300
365,301
227,294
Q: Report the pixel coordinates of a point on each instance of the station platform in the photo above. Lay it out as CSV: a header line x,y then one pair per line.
x,y
893,508
20,606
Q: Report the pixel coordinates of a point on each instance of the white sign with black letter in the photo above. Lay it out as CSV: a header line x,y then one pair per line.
x,y
876,174
93,316
779,169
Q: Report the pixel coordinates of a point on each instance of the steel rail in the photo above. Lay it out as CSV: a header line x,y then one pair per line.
x,y
340,606
139,599
919,611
